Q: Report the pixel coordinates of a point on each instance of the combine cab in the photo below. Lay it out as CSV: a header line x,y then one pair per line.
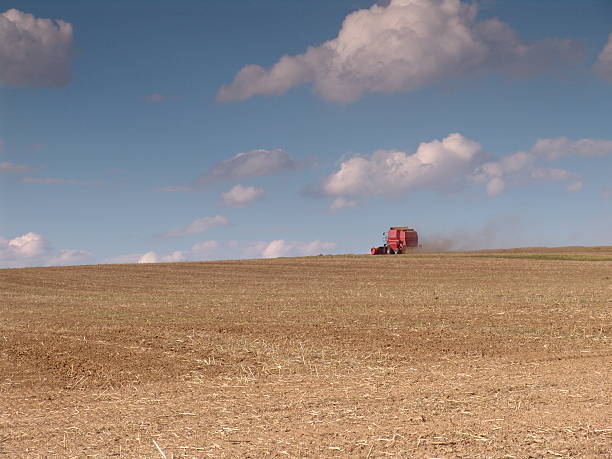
x,y
399,239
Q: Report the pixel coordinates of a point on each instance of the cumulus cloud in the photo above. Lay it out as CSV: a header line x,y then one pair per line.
x,y
603,65
522,166
240,196
149,257
198,226
254,163
282,248
452,163
435,164
29,245
31,249
199,251
402,46
208,250
518,168
275,249
153,257
34,51
341,203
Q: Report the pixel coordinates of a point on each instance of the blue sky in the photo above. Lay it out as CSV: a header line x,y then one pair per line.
x,y
134,131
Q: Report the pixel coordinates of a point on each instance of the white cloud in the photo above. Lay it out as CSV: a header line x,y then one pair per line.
x,y
282,248
495,186
248,250
562,146
153,257
518,168
127,258
521,167
70,257
32,249
341,203
403,46
249,164
603,65
149,257
452,163
240,196
553,174
254,163
197,226
208,250
199,251
12,167
315,247
177,255
34,51
275,249
436,164
29,245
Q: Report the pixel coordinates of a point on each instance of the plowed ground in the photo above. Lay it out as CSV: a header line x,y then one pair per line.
x,y
426,355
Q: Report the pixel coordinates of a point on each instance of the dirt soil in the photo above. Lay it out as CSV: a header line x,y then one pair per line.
x,y
488,354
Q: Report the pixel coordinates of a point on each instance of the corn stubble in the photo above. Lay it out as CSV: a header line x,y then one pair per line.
x,y
419,355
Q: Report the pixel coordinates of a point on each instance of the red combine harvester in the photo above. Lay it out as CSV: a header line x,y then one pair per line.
x,y
397,240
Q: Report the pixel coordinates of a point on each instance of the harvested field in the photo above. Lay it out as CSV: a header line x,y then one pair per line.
x,y
481,354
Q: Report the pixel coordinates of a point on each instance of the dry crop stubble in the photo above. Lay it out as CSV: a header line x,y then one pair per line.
x,y
477,354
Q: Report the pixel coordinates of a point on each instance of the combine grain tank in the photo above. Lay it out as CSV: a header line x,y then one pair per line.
x,y
399,239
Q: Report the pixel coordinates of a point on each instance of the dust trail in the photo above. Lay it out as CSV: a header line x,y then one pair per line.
x,y
495,234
